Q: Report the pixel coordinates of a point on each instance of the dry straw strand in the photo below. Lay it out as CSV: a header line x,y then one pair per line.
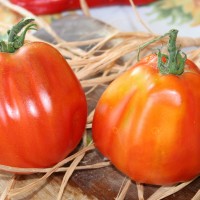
x,y
139,17
124,189
101,43
140,189
197,196
68,175
9,185
45,170
38,182
84,7
165,191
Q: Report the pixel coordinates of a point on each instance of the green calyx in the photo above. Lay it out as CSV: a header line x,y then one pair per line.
x,y
15,41
174,62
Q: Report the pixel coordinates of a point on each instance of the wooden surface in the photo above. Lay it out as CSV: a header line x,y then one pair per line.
x,y
103,183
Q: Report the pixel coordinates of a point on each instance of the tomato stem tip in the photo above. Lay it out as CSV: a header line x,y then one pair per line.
x,y
14,40
174,62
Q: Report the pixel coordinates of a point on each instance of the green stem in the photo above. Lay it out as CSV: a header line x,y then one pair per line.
x,y
175,60
148,43
16,41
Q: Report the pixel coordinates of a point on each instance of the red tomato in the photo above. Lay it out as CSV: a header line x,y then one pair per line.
x,y
40,7
148,124
43,107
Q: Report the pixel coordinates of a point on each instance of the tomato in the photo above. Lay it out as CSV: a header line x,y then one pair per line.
x,y
148,123
40,7
43,107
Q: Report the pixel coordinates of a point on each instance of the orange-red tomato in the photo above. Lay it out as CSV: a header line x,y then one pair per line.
x,y
148,124
43,107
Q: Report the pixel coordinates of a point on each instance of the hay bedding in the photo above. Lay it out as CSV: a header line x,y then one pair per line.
x,y
95,67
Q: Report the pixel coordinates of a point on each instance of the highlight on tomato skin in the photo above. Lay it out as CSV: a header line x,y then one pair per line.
x,y
43,108
148,123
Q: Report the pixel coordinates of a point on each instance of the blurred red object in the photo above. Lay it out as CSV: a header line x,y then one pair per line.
x,y
40,7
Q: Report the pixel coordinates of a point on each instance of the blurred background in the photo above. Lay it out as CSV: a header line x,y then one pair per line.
x,y
158,15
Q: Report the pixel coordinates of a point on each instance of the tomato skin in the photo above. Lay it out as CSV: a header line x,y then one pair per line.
x,y
43,108
148,124
40,7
